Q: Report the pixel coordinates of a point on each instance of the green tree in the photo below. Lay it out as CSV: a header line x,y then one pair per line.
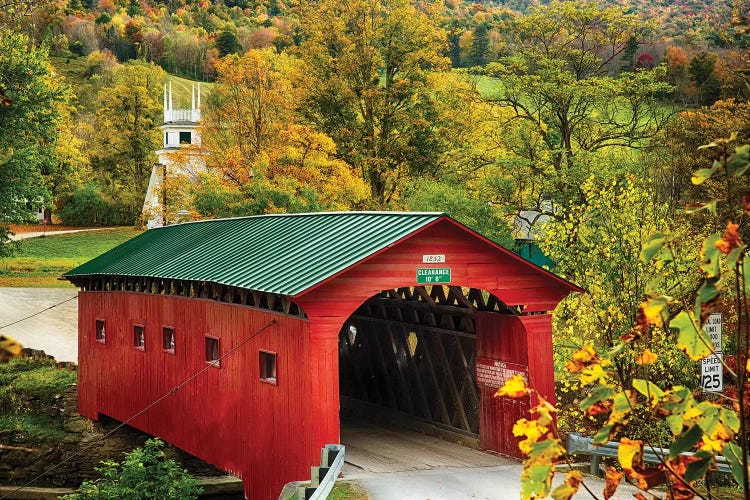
x,y
479,53
368,63
454,199
127,120
702,69
694,422
560,99
29,119
145,473
596,243
227,41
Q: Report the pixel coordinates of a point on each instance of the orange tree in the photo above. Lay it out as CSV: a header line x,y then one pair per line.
x,y
703,425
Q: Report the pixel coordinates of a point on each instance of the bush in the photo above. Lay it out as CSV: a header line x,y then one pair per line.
x,y
88,207
145,473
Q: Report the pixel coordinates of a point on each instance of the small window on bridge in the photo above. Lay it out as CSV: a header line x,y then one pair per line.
x,y
212,351
139,337
268,367
100,331
167,334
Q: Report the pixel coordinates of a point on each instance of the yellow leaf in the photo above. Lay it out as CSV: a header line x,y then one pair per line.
x,y
593,373
692,414
582,358
532,430
514,387
545,411
630,454
712,445
646,357
569,488
655,309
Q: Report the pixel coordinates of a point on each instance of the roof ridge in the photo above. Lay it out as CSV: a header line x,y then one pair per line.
x,y
309,214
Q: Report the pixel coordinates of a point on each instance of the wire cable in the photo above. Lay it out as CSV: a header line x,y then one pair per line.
x,y
144,410
40,312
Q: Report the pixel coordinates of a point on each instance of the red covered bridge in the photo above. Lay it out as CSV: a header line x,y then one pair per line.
x,y
292,316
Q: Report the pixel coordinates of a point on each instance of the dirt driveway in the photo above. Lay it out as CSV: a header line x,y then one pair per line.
x,y
55,331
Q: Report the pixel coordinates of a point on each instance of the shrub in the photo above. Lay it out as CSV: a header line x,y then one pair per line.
x,y
145,473
88,207
29,398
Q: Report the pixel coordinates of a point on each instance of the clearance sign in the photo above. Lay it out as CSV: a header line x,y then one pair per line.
x,y
427,275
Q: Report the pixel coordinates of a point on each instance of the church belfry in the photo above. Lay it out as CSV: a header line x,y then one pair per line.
x,y
180,155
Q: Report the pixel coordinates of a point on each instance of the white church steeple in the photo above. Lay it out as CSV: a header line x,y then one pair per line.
x,y
181,129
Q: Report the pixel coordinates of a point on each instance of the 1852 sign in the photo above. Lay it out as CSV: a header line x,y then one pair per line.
x,y
712,373
427,275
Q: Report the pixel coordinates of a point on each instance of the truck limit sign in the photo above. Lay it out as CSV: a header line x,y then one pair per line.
x,y
712,372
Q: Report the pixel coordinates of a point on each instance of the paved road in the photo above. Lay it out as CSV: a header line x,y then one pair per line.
x,y
397,463
36,234
54,331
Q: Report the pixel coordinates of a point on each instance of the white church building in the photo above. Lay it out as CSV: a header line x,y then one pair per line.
x,y
180,156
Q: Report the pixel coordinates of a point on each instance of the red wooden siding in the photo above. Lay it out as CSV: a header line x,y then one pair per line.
x,y
501,338
473,263
271,434
227,416
525,341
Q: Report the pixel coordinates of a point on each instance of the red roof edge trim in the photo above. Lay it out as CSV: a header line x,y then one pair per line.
x,y
567,284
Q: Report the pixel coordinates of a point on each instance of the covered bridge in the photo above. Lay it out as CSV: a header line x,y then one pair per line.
x,y
285,318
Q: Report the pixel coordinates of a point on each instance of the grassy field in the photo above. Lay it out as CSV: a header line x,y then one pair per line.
x,y
74,70
40,261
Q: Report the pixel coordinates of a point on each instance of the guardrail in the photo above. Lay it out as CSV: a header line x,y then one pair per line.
x,y
578,443
323,478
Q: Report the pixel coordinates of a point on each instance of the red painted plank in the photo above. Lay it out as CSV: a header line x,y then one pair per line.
x,y
226,416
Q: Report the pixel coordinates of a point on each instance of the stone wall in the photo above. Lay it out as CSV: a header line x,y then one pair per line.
x,y
82,448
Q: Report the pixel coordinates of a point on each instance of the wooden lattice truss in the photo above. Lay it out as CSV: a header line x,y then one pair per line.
x,y
414,350
194,289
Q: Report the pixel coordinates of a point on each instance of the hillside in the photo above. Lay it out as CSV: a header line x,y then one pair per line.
x,y
76,72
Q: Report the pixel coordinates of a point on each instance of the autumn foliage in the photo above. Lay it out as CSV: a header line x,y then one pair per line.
x,y
697,423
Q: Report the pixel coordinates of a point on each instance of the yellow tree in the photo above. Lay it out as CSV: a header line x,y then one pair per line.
x,y
127,117
261,146
368,62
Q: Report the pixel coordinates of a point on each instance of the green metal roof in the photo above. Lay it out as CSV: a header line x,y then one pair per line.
x,y
285,253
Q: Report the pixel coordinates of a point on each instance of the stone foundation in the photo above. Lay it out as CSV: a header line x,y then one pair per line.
x,y
76,455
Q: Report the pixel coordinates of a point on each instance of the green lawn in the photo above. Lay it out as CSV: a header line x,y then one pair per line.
x,y
487,86
181,91
40,261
